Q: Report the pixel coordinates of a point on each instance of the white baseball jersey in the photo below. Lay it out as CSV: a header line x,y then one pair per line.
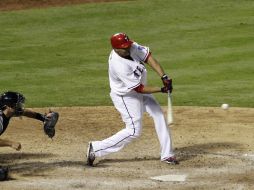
x,y
124,74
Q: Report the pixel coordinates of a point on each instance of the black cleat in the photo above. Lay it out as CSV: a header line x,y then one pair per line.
x,y
90,154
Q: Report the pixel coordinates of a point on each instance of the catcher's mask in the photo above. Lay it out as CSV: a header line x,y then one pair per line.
x,y
14,100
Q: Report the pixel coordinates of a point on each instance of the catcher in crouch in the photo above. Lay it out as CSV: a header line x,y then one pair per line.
x,y
12,105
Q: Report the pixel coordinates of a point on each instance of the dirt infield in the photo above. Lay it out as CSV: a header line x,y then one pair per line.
x,y
214,146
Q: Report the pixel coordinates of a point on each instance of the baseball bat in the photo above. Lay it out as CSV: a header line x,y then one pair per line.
x,y
170,110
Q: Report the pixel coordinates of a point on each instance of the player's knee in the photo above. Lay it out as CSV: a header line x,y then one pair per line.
x,y
137,133
134,133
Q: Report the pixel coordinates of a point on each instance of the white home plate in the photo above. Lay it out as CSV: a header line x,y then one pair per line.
x,y
170,178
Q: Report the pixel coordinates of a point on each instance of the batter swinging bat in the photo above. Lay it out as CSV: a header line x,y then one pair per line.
x,y
170,110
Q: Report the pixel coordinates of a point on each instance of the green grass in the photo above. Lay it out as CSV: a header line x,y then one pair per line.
x,y
58,56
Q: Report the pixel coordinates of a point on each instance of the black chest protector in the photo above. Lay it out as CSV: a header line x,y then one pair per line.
x,y
4,122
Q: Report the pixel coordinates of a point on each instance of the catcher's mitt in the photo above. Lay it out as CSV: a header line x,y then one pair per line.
x,y
50,122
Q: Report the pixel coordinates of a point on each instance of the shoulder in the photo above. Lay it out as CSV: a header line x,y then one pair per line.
x,y
138,48
139,52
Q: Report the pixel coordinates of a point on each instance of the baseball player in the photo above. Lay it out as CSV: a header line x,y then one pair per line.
x,y
132,97
12,105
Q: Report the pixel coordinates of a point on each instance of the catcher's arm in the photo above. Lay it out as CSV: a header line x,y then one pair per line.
x,y
49,120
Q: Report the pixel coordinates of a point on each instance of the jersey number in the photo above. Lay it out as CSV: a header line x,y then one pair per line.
x,y
138,71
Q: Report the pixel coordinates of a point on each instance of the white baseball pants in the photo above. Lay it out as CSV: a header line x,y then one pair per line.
x,y
131,108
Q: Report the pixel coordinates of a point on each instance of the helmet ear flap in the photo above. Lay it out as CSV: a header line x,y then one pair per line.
x,y
19,108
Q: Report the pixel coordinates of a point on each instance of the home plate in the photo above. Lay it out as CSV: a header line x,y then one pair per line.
x,y
170,178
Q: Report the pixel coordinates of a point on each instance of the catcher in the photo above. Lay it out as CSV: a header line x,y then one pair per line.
x,y
12,105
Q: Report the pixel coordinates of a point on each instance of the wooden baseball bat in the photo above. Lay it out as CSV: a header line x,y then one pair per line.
x,y
170,110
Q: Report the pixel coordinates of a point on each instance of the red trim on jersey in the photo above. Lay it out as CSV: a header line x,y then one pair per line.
x,y
149,54
140,88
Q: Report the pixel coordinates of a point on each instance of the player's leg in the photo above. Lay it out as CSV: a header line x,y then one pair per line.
x,y
153,108
131,112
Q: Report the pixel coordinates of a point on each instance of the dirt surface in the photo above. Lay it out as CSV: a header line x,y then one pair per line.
x,y
214,146
7,5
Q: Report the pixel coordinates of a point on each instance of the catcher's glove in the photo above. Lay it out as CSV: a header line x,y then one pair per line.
x,y
49,123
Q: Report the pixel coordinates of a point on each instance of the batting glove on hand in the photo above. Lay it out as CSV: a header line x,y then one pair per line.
x,y
164,79
167,84
166,89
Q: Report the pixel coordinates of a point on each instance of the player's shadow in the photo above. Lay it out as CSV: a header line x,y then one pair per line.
x,y
212,149
183,153
42,168
21,164
6,158
104,161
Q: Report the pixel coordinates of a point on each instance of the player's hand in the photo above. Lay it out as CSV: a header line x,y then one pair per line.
x,y
165,79
167,86
16,146
165,89
167,82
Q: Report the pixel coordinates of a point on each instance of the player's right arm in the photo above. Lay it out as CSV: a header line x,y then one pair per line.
x,y
150,89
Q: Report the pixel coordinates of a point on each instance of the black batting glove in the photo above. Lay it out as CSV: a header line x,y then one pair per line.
x,y
164,89
164,79
167,83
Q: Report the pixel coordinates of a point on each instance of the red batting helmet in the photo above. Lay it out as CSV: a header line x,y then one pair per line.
x,y
120,40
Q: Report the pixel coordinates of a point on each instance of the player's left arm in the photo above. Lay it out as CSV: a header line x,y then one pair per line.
x,y
34,115
152,62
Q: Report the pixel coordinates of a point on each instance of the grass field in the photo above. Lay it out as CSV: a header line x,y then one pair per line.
x,y
58,56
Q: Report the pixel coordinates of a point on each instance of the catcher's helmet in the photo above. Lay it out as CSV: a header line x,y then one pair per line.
x,y
14,100
120,41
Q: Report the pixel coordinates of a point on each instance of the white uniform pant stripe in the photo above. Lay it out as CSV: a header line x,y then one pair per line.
x,y
119,132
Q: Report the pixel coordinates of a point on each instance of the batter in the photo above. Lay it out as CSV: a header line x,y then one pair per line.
x,y
132,97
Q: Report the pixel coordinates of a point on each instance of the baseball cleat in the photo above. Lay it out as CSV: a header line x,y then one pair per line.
x,y
171,160
90,154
